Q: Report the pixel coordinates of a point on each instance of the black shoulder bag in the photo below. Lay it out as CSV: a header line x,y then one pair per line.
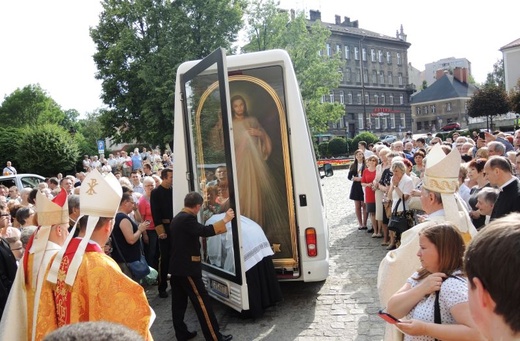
x,y
138,268
437,306
400,221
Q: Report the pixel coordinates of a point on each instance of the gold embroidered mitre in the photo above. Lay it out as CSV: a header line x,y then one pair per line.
x,y
52,212
442,171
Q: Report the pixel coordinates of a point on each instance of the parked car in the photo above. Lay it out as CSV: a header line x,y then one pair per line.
x,y
388,138
451,126
21,180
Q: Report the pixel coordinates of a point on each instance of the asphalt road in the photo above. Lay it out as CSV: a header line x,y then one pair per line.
x,y
344,307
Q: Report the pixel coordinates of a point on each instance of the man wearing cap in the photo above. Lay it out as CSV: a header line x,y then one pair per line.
x,y
441,202
19,322
83,283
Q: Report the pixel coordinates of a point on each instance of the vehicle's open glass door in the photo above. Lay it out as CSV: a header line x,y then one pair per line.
x,y
210,158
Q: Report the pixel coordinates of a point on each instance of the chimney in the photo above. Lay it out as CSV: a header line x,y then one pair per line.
x,y
315,15
440,73
338,20
461,74
355,24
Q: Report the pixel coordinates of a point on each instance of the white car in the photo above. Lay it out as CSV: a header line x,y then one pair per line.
x,y
21,180
388,138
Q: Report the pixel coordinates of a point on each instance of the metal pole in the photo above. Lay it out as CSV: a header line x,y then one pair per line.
x,y
363,84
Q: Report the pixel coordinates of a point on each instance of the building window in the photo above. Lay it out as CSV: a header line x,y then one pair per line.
x,y
342,97
367,99
356,53
401,99
338,49
390,79
377,122
448,106
383,99
418,111
348,77
320,53
374,76
400,79
364,54
341,78
328,50
376,99
347,52
391,99
331,96
380,56
419,125
361,122
349,98
323,99
425,109
403,121
365,76
384,123
358,75
381,77
359,98
388,57
392,121
398,55
433,108
373,55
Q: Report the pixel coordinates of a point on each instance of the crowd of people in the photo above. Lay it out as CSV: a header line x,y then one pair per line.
x,y
75,238
456,197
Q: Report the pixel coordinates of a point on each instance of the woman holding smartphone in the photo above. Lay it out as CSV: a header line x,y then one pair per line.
x,y
441,251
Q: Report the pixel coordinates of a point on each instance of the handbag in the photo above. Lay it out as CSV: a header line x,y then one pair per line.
x,y
138,268
401,221
387,205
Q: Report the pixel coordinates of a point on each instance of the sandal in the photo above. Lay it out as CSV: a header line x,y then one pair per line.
x,y
391,247
385,243
362,228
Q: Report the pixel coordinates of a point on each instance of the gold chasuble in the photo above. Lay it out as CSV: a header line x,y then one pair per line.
x,y
101,292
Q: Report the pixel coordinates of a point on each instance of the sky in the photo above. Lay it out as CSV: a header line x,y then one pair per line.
x,y
48,42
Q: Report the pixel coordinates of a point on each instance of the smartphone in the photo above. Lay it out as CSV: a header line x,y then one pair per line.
x,y
482,135
387,317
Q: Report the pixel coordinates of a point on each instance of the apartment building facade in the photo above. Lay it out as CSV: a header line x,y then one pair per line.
x,y
375,88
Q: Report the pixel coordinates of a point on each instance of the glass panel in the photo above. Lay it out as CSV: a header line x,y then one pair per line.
x,y
210,170
264,184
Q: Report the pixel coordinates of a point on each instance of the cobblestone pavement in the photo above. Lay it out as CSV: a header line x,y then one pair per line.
x,y
344,307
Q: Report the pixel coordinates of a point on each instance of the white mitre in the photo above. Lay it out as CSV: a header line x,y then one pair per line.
x,y
442,176
48,212
100,196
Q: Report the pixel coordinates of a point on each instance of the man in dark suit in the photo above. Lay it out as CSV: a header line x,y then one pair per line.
x,y
499,173
186,269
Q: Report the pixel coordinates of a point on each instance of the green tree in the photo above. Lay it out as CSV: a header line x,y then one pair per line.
x,y
90,129
9,145
497,77
337,146
489,101
30,106
140,43
323,148
46,149
424,85
514,99
269,28
365,136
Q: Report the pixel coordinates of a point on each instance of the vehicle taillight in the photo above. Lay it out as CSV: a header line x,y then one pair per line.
x,y
310,241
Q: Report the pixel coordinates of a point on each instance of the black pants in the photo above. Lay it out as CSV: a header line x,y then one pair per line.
x,y
151,249
192,288
164,263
